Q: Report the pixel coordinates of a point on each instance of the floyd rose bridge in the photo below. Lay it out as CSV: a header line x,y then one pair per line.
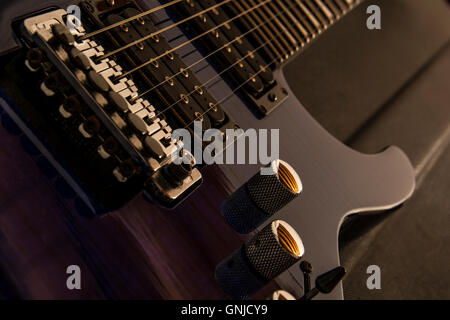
x,y
114,90
116,109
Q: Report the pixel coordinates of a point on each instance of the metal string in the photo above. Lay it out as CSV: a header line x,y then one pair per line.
x,y
191,40
208,56
163,30
118,24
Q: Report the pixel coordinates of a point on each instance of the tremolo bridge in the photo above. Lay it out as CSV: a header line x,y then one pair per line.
x,y
115,99
107,89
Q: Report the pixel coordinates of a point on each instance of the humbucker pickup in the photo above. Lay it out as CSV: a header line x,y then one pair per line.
x,y
231,50
113,101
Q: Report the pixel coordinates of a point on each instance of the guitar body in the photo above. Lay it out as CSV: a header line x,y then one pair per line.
x,y
143,251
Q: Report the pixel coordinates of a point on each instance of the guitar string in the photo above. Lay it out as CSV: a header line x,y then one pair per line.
x,y
109,54
223,72
209,55
232,92
199,117
190,41
196,15
219,74
118,24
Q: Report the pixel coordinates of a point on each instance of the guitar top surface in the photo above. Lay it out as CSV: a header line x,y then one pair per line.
x,y
144,251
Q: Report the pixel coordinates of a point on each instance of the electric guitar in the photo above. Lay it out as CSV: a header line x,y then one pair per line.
x,y
96,91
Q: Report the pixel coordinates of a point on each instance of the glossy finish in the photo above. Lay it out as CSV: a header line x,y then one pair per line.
x,y
142,251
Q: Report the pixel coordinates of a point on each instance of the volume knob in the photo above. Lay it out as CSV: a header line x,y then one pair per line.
x,y
261,197
268,254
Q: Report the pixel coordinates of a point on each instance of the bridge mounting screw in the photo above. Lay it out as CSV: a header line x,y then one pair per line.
x,y
273,97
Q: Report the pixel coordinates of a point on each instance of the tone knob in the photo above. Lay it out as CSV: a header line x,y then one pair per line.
x,y
268,254
261,197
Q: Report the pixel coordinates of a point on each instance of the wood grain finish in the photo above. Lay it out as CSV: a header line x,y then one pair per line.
x,y
140,252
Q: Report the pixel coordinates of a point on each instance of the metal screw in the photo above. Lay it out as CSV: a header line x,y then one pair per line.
x,y
273,97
